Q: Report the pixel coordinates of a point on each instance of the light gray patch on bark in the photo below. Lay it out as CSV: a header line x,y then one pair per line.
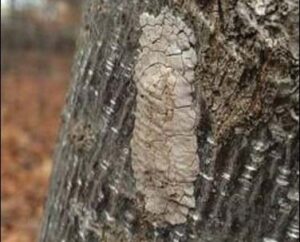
x,y
164,143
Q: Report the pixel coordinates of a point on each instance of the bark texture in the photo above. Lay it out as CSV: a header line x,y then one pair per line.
x,y
246,82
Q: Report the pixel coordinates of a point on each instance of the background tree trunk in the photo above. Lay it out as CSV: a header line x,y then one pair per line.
x,y
246,83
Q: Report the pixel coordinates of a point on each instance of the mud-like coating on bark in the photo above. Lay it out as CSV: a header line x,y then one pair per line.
x,y
164,157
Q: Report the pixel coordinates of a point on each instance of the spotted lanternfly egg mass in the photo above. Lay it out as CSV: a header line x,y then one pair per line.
x,y
164,144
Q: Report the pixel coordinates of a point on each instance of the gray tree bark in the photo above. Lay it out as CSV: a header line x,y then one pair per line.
x,y
246,88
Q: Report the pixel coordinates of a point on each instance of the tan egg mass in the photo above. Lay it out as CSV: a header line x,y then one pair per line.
x,y
164,143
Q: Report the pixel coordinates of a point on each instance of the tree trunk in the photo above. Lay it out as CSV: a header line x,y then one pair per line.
x,y
235,176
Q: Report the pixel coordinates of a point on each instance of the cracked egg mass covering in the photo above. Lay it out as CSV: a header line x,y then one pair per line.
x,y
164,144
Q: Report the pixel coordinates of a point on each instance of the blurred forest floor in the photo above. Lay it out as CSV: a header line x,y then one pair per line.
x,y
33,87
37,45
